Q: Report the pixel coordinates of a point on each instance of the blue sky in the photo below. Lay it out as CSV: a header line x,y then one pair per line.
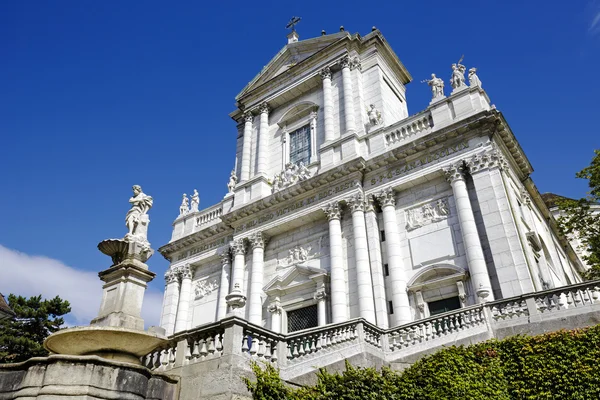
x,y
98,96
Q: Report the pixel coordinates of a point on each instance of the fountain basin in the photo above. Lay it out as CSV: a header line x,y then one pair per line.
x,y
119,344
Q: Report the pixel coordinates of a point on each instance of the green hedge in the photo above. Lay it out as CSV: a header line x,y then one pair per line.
x,y
560,365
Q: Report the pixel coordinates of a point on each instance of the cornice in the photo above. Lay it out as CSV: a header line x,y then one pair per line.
x,y
213,232
291,193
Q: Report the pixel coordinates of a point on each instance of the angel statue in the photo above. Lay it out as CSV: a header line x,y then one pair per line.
x,y
140,204
374,115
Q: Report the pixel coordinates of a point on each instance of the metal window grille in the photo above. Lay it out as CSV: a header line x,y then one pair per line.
x,y
300,145
302,318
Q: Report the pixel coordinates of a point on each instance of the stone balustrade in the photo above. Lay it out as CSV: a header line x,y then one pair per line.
x,y
209,216
298,352
415,126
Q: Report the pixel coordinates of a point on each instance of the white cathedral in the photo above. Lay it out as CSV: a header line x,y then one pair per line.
x,y
351,231
342,205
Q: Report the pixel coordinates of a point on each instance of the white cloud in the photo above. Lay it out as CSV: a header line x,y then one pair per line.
x,y
29,275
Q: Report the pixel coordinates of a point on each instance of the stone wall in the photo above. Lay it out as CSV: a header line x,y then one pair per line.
x,y
81,378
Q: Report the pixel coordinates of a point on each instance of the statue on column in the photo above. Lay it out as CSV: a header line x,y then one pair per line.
x,y
136,219
232,181
184,208
437,86
195,201
473,78
457,80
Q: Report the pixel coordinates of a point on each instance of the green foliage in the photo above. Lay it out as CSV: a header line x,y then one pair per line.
x,y
559,365
22,337
581,218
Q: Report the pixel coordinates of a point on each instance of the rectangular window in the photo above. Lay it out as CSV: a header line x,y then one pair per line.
x,y
390,307
300,145
302,318
382,234
386,270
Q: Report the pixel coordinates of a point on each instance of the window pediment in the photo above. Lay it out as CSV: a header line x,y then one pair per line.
x,y
297,113
297,278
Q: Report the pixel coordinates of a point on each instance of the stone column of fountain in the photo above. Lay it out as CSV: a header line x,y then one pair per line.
x,y
117,333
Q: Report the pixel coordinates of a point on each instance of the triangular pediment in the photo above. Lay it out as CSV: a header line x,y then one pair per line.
x,y
289,56
296,277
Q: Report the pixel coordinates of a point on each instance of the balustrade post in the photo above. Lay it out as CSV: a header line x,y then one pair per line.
x,y
489,320
534,313
360,331
232,337
385,342
182,347
282,352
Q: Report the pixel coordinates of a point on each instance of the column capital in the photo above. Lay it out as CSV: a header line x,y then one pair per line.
x,y
325,73
258,240
171,276
238,247
225,256
454,172
185,271
320,295
263,108
487,160
356,202
387,197
248,116
345,62
332,210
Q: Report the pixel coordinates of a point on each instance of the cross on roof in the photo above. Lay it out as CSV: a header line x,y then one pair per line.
x,y
292,23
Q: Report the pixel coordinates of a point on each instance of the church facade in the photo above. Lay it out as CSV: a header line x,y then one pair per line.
x,y
342,205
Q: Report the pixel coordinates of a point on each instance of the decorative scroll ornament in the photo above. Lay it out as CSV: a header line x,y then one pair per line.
x,y
374,115
320,295
225,257
345,62
275,306
526,198
431,212
291,175
248,117
355,64
205,287
297,255
486,160
332,210
184,208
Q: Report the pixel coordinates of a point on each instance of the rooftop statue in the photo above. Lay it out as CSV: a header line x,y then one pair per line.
x,y
473,78
195,201
457,80
437,86
232,181
184,208
136,219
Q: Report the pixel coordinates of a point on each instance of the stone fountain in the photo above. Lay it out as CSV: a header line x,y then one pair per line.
x,y
117,333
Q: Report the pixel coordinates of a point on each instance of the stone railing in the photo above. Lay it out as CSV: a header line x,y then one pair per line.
x,y
408,129
235,337
209,215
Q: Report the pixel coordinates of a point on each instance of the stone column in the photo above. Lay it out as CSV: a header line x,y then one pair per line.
x,y
327,104
257,242
224,284
400,303
275,310
170,302
313,136
247,147
348,95
321,297
263,140
468,227
364,283
235,298
339,302
185,294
